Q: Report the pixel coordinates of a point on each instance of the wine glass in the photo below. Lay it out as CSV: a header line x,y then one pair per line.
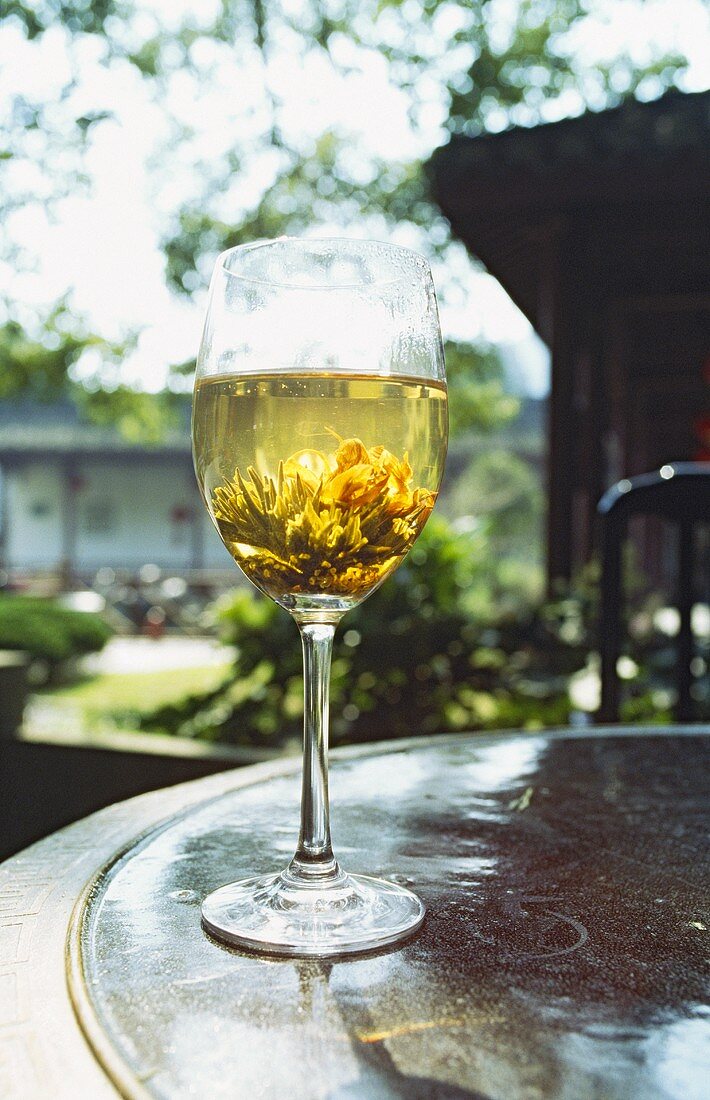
x,y
319,431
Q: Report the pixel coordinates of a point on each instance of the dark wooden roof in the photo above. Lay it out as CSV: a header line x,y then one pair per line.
x,y
637,177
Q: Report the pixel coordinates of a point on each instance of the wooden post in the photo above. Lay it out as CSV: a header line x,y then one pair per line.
x,y
683,710
612,602
69,523
561,430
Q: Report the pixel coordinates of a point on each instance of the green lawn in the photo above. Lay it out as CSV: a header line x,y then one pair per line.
x,y
111,701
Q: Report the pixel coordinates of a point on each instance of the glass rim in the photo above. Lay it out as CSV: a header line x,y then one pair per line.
x,y
414,257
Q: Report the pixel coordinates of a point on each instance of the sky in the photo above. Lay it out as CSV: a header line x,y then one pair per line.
x,y
100,244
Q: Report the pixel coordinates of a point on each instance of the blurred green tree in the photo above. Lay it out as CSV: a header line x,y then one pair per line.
x,y
65,360
432,650
505,490
462,68
478,399
459,68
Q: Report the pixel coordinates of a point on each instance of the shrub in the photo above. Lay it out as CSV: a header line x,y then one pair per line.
x,y
48,631
431,651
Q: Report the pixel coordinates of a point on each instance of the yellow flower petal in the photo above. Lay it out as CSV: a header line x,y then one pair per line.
x,y
335,523
351,452
311,465
355,487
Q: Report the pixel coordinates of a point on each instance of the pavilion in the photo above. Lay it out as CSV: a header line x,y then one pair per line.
x,y
598,227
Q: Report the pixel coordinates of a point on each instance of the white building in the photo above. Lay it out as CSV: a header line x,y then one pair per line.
x,y
80,497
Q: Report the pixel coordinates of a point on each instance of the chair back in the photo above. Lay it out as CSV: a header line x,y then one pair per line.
x,y
680,493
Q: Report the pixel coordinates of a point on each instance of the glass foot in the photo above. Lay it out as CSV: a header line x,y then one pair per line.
x,y
282,915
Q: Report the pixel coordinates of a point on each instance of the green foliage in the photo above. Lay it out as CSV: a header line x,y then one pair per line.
x,y
40,367
48,631
139,417
311,188
504,490
535,62
78,16
485,67
429,652
481,65
650,654
647,666
49,366
477,396
477,66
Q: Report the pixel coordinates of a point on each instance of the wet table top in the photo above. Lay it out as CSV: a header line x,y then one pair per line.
x,y
563,955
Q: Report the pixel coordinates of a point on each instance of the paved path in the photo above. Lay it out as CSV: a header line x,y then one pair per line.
x,y
147,655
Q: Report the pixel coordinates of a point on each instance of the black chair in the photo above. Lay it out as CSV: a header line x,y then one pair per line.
x,y
679,493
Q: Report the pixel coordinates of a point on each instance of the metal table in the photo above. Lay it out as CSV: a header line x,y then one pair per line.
x,y
562,955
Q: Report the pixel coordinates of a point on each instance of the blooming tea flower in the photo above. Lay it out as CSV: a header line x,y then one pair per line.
x,y
332,523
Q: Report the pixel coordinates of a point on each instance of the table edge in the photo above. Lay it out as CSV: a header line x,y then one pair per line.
x,y
72,853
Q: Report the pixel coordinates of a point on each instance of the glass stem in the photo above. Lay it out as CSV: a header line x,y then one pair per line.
x,y
314,858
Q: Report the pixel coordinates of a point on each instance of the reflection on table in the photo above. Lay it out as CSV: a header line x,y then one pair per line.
x,y
562,955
